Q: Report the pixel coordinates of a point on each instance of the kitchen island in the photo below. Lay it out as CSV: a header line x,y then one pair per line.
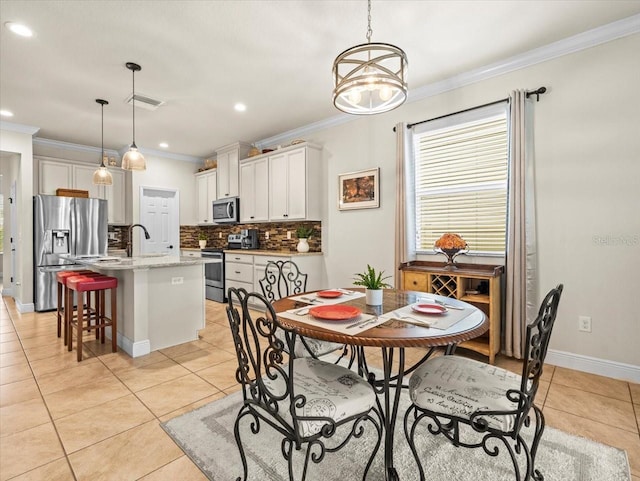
x,y
161,299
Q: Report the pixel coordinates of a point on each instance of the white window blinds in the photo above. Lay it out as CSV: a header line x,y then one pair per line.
x,y
461,165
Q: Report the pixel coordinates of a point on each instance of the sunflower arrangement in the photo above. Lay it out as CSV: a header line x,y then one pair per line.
x,y
451,241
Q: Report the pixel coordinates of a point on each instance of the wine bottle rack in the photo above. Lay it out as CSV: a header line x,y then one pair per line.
x,y
473,283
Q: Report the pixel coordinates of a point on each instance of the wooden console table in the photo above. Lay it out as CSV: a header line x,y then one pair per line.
x,y
437,278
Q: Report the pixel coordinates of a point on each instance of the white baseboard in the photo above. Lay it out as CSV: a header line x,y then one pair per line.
x,y
134,349
7,292
601,367
29,307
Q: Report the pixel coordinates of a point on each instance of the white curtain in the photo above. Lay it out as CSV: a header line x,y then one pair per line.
x,y
405,245
521,256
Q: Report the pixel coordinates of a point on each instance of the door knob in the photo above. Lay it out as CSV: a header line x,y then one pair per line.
x,y
170,247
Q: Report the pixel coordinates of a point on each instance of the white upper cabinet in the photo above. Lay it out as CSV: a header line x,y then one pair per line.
x,y
60,174
228,168
295,184
206,189
83,180
54,175
115,196
254,190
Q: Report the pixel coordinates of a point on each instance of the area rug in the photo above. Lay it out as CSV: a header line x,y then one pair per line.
x,y
206,436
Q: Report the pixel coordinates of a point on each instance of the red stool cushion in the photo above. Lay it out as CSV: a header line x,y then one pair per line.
x,y
87,274
83,284
63,274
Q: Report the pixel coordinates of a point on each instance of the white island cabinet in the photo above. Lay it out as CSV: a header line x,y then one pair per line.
x,y
161,300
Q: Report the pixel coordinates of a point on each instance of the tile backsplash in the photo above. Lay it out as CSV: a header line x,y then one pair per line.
x,y
278,241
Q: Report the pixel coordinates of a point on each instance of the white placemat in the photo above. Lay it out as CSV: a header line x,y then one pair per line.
x,y
350,327
315,300
437,321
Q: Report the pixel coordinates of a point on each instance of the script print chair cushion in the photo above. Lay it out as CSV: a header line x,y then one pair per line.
x,y
317,407
282,279
476,405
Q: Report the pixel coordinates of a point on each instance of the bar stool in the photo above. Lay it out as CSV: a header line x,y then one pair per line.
x,y
62,297
98,285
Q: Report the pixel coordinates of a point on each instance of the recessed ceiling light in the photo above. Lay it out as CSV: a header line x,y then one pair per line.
x,y
19,29
6,113
164,145
240,107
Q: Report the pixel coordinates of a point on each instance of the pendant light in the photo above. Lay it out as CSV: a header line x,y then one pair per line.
x,y
370,78
133,159
102,176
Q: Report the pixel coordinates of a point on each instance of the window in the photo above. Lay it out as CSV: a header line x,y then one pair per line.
x,y
461,173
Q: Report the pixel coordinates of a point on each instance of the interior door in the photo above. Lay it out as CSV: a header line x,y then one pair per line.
x,y
159,210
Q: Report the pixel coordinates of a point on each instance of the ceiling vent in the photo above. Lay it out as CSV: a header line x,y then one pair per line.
x,y
144,102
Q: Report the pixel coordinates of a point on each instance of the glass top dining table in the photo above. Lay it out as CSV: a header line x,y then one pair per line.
x,y
392,336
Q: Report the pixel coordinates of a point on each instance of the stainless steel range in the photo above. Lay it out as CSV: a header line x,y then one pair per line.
x,y
214,275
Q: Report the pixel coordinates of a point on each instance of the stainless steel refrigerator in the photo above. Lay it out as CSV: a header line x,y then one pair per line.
x,y
64,225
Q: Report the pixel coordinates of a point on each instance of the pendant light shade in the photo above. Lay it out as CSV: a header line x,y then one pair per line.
x,y
133,159
370,78
102,176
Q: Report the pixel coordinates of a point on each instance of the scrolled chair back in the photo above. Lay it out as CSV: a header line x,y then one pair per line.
x,y
261,354
537,341
282,279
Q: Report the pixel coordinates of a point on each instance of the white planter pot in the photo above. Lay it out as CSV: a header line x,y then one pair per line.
x,y
373,297
203,244
303,245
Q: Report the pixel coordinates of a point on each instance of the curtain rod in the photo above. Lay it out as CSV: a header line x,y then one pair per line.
x,y
536,92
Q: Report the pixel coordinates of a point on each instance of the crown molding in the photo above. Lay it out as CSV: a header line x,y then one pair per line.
x,y
590,38
59,144
21,129
166,155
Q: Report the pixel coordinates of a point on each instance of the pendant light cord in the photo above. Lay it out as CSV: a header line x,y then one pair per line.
x,y
102,125
369,31
133,105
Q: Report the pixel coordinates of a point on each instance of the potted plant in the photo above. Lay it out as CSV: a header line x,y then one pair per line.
x,y
373,282
303,233
202,240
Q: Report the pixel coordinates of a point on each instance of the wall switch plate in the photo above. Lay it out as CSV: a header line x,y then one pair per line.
x,y
219,235
584,323
288,234
177,280
266,235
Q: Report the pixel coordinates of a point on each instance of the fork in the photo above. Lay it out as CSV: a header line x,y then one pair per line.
x,y
309,299
442,303
410,320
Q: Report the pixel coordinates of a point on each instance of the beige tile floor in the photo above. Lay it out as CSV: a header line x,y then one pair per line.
x,y
100,419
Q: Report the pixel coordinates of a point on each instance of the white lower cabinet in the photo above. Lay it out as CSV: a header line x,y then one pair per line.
x,y
238,271
245,270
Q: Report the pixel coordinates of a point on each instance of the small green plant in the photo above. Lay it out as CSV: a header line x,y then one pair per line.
x,y
303,232
370,279
202,236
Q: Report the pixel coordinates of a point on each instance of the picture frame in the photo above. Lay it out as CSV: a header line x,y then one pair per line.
x,y
359,190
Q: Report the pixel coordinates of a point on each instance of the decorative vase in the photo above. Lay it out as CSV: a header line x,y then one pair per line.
x,y
451,255
373,297
303,245
203,243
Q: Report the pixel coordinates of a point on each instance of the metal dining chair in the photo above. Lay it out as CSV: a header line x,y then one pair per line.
x,y
282,279
477,405
316,406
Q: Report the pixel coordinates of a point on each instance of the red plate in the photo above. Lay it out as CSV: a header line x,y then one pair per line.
x,y
429,308
329,294
335,313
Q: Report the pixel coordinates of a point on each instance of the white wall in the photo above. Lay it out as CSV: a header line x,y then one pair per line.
x,y
168,174
20,144
587,141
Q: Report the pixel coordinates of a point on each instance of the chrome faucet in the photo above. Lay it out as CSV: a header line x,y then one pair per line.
x,y
130,238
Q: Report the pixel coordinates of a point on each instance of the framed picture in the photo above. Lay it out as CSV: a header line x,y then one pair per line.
x,y
359,190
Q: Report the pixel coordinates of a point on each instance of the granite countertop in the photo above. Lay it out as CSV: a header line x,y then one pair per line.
x,y
140,262
260,252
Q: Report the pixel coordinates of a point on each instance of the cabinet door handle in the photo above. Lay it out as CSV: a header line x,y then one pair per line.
x,y
237,272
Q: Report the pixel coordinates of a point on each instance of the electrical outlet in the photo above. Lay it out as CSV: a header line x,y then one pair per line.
x,y
288,234
266,235
177,280
219,235
584,323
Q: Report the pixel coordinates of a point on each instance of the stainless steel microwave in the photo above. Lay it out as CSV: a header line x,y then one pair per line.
x,y
226,211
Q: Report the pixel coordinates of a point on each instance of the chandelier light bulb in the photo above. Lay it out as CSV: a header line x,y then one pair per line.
x,y
385,93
